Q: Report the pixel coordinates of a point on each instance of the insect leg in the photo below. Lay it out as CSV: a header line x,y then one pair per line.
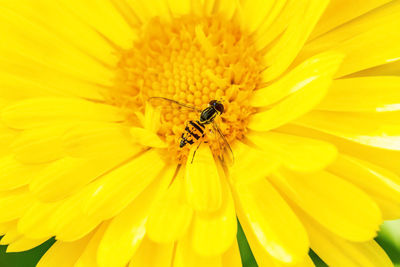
x,y
194,153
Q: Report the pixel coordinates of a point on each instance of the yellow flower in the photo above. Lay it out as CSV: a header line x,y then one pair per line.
x,y
311,111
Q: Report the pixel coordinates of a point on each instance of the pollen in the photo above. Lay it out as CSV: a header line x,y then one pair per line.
x,y
191,60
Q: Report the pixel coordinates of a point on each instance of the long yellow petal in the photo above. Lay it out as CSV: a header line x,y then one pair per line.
x,y
297,153
64,254
231,258
66,176
273,27
178,7
340,11
23,244
373,179
65,26
372,129
214,232
11,236
14,203
186,256
203,186
274,225
112,193
126,231
94,139
7,136
336,251
252,13
392,68
35,221
88,257
151,254
385,158
363,94
68,222
34,42
104,18
252,164
262,256
146,138
171,215
344,209
310,71
226,8
367,42
146,10
298,103
37,112
40,145
281,55
23,78
15,174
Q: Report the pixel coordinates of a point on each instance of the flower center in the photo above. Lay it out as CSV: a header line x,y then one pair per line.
x,y
192,60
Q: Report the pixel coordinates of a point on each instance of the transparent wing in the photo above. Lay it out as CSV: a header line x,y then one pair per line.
x,y
176,102
217,129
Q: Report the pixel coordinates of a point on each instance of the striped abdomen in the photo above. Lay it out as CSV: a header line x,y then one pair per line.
x,y
194,130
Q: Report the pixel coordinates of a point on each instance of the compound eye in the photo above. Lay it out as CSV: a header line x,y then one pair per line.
x,y
212,102
219,107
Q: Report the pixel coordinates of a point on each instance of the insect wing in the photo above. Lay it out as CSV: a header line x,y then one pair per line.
x,y
176,102
229,154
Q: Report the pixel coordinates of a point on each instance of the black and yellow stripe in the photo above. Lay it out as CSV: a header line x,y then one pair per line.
x,y
194,130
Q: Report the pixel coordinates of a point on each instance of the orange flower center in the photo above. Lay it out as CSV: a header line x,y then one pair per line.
x,y
191,60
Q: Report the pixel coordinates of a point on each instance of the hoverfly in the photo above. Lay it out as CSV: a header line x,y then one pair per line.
x,y
195,129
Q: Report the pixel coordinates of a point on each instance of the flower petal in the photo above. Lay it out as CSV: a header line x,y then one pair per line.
x,y
297,153
64,254
146,137
88,257
367,42
170,217
19,199
298,103
231,258
372,129
23,244
373,179
112,193
15,174
339,12
252,13
104,18
66,176
186,256
344,209
281,55
40,145
151,254
126,231
311,70
363,94
214,232
203,186
36,112
275,226
336,251
251,164
35,222
94,139
35,43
